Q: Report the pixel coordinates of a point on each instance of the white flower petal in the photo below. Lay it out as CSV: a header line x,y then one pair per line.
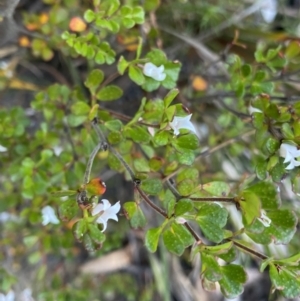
x,y
154,72
97,209
182,123
289,152
49,216
3,149
106,212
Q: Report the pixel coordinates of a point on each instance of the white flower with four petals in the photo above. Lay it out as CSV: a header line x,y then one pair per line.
x,y
290,152
154,72
182,123
106,211
49,216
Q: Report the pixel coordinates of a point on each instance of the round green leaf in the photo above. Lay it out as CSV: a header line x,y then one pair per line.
x,y
109,93
152,186
152,238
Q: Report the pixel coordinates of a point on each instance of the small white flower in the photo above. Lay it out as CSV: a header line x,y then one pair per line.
x,y
26,295
105,212
264,219
9,297
289,152
269,10
49,216
154,72
3,149
182,123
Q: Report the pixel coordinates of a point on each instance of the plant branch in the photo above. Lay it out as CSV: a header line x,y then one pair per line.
x,y
215,199
128,118
195,235
89,165
248,250
149,202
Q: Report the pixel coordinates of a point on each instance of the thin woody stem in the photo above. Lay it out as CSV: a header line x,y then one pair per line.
x,y
250,251
89,165
128,118
114,152
215,199
149,202
191,230
124,163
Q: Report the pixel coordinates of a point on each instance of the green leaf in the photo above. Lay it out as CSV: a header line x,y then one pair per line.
x,y
152,186
89,16
216,188
218,249
113,7
139,48
67,210
281,230
258,120
278,171
74,120
161,138
261,169
186,187
137,134
285,281
79,229
211,219
172,70
260,75
290,261
188,173
138,14
150,5
109,93
80,108
189,141
135,214
232,281
177,238
150,84
246,70
94,79
152,238
287,131
128,22
156,163
114,137
292,50
93,112
141,165
88,243
267,193
95,234
210,267
183,206
169,201
170,97
136,74
250,206
172,242
186,156
114,125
